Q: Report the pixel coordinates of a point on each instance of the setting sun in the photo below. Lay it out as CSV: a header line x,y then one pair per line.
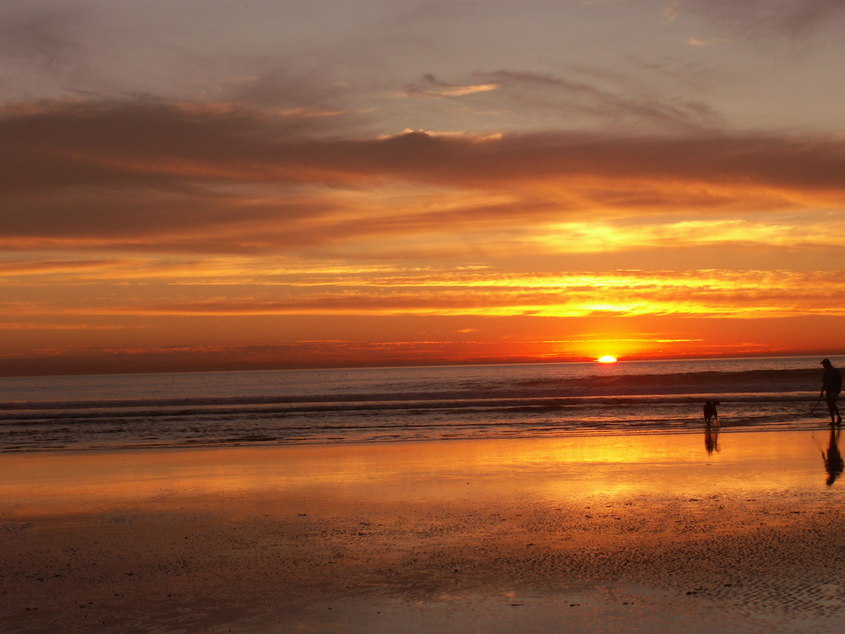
x,y
606,359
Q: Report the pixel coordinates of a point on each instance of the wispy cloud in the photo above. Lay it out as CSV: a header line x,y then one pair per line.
x,y
670,12
43,38
694,41
433,87
601,97
763,18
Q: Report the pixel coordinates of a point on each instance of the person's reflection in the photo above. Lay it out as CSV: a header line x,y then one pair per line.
x,y
833,462
711,438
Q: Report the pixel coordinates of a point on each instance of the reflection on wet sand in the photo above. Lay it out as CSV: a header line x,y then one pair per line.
x,y
833,462
79,484
711,438
422,537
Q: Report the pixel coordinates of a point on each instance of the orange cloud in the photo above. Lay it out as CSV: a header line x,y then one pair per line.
x,y
706,293
434,87
169,221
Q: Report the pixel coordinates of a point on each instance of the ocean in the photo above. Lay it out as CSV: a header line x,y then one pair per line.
x,y
364,405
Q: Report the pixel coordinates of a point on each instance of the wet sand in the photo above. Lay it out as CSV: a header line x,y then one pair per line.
x,y
616,534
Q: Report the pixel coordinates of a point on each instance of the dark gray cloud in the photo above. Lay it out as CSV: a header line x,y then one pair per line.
x,y
767,18
173,147
42,38
165,177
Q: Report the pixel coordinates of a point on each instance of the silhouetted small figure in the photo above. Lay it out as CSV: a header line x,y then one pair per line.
x,y
833,463
711,414
831,387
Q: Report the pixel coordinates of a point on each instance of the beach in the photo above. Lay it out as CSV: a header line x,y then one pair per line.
x,y
648,532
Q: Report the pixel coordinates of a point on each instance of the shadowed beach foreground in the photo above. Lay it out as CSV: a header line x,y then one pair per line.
x,y
620,534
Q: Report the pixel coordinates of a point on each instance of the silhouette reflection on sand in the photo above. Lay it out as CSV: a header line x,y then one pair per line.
x,y
711,438
833,462
711,427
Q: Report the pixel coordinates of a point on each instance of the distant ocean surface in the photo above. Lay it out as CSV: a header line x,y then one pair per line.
x,y
108,412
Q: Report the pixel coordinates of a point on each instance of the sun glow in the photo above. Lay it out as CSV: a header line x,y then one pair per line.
x,y
606,359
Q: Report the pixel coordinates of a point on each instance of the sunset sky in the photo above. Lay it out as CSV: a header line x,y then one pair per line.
x,y
204,184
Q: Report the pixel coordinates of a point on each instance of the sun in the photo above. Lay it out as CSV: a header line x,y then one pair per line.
x,y
606,359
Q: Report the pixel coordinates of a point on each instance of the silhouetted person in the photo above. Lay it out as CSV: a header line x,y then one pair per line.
x,y
711,414
831,387
833,462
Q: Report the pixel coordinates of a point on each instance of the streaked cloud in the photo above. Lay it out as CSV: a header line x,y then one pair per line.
x,y
151,176
433,87
694,41
704,293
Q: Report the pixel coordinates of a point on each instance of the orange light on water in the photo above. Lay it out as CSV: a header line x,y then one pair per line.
x,y
606,359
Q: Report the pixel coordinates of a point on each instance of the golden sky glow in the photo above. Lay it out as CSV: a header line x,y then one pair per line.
x,y
287,184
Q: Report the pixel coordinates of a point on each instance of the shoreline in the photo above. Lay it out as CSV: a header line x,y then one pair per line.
x,y
697,428
400,404
624,533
